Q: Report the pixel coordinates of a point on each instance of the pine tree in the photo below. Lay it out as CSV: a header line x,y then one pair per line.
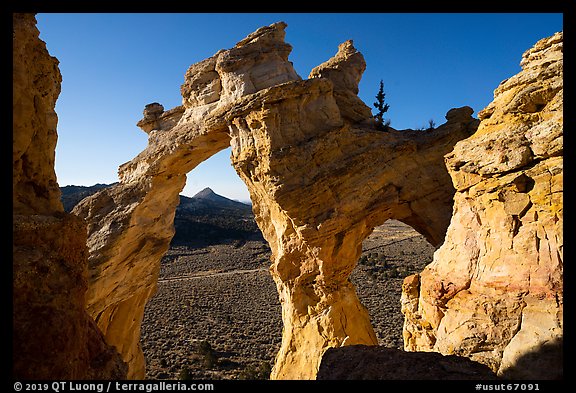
x,y
382,108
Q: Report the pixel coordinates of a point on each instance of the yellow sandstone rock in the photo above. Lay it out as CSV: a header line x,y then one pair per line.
x,y
320,176
494,291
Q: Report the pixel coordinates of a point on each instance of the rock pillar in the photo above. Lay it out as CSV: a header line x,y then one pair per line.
x,y
53,336
494,292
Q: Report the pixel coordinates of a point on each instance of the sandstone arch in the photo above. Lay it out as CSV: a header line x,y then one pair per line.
x,y
320,179
494,292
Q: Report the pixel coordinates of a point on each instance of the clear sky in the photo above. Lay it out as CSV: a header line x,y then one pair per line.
x,y
112,65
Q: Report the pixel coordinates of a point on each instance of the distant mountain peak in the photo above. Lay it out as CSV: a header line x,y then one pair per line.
x,y
206,193
209,195
208,199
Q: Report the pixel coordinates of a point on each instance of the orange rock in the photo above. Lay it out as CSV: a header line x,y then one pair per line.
x,y
503,253
321,177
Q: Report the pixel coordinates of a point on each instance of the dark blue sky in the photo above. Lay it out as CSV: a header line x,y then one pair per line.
x,y
114,64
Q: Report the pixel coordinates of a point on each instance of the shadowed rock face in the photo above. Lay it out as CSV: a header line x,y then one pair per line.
x,y
53,336
494,291
320,176
36,80
360,362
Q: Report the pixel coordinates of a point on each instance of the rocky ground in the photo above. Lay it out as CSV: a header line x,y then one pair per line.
x,y
216,314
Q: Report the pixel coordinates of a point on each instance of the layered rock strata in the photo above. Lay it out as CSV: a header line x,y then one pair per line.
x,y
36,83
494,292
53,336
320,177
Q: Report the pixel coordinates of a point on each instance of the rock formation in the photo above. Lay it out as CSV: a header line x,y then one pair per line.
x,y
130,224
53,336
352,179
360,362
36,81
320,176
494,292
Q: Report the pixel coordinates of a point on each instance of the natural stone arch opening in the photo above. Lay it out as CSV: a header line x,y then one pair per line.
x,y
127,247
214,316
315,247
390,253
292,140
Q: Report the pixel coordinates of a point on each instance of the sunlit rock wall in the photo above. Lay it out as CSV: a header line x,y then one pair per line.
x,y
494,291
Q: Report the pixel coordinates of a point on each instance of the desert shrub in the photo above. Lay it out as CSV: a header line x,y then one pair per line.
x,y
238,243
252,371
431,126
392,273
371,274
185,374
208,355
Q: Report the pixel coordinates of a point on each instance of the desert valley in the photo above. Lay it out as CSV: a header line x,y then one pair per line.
x,y
216,314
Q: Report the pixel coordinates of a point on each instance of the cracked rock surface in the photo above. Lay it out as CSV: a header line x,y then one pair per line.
x,y
494,292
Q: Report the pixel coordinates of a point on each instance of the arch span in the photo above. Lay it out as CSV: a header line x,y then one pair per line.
x,y
320,177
